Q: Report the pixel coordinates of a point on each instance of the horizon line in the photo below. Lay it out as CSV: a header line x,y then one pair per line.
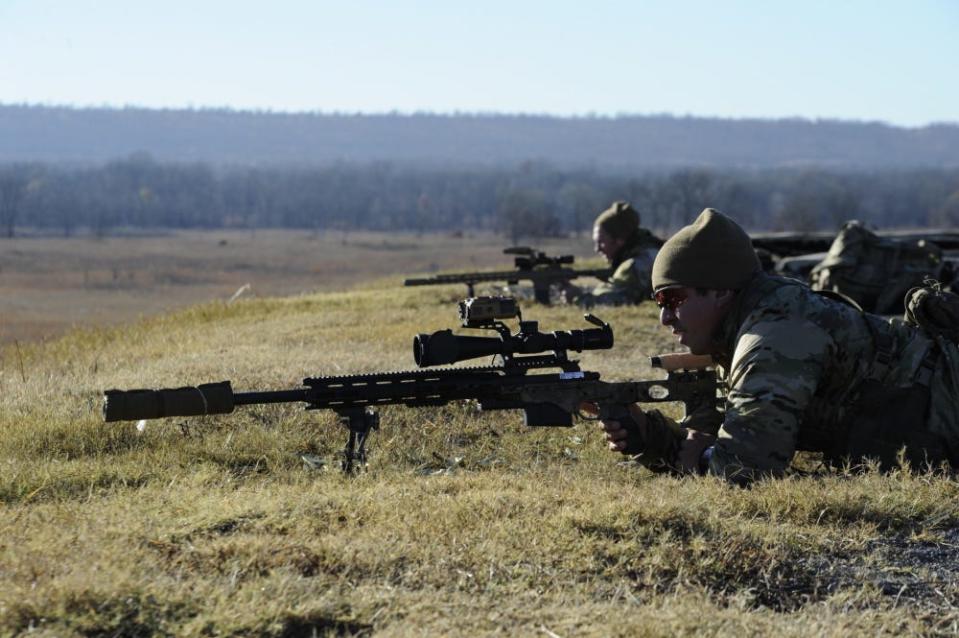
x,y
588,115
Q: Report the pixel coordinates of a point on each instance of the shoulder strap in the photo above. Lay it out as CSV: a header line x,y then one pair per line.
x,y
835,295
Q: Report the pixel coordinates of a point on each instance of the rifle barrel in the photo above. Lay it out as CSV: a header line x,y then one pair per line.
x,y
275,396
546,274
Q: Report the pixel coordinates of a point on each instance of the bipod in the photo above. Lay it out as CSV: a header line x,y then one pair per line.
x,y
360,421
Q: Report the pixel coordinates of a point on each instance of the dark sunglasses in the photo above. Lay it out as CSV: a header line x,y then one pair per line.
x,y
671,298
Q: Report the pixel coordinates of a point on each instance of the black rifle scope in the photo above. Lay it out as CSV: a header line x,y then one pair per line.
x,y
443,347
529,262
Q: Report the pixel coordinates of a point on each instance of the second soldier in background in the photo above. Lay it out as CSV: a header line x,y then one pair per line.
x,y
630,251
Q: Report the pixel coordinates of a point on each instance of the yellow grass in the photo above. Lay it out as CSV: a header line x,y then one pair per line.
x,y
464,524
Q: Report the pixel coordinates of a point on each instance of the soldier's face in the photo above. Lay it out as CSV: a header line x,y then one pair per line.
x,y
605,243
693,316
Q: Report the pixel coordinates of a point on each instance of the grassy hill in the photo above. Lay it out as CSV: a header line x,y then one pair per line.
x,y
464,524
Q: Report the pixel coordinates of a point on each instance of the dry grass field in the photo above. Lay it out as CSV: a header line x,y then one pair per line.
x,y
48,284
464,524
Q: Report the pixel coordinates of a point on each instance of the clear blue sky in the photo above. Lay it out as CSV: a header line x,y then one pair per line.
x,y
868,60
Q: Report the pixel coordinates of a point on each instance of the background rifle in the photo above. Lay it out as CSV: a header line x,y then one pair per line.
x,y
792,244
546,399
530,265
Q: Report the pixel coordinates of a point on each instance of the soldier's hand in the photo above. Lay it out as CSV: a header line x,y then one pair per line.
x,y
616,435
692,450
568,292
626,437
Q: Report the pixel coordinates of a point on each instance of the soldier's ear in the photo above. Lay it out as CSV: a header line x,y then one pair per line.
x,y
724,297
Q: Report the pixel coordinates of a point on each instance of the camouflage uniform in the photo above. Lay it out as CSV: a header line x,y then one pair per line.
x,y
876,272
804,371
630,282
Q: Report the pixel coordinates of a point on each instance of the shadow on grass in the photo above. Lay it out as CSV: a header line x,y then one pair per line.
x,y
67,487
676,553
318,625
143,616
93,615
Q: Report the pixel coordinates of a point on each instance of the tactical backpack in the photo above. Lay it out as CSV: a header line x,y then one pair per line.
x,y
874,271
934,310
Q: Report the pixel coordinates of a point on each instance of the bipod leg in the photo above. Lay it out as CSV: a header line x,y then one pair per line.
x,y
360,422
541,294
349,453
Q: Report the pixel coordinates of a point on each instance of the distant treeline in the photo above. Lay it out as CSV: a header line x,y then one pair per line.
x,y
534,199
627,143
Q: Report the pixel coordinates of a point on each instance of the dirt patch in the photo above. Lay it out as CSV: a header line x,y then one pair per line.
x,y
48,285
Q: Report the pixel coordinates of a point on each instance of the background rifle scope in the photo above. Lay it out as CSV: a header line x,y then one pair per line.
x,y
527,262
443,347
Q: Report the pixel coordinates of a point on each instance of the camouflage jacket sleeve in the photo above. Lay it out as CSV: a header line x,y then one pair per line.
x,y
705,418
776,367
629,284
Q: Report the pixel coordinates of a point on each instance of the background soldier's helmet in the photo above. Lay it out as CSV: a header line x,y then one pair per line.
x,y
619,220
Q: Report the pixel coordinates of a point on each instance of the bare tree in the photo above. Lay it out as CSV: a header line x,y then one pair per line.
x,y
13,187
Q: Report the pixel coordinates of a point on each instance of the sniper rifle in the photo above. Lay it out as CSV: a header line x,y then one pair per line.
x,y
530,265
547,399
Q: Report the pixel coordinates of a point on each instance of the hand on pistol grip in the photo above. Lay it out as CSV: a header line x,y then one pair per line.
x,y
649,437
623,425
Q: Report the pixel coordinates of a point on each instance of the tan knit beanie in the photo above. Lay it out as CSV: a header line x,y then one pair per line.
x,y
619,220
713,252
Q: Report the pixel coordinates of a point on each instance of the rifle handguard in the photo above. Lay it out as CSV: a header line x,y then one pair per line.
x,y
132,405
